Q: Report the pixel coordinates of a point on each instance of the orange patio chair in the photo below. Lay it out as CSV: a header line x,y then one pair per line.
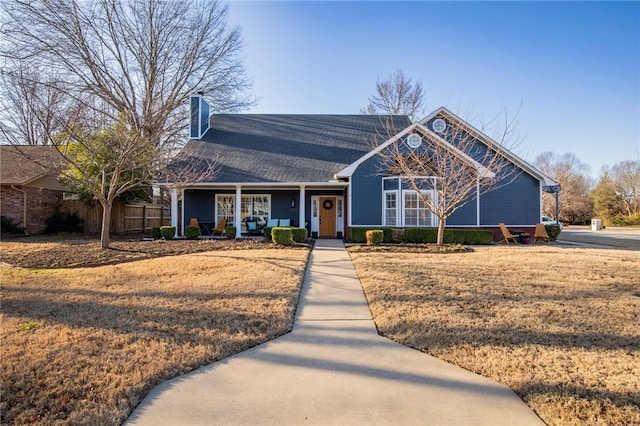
x,y
506,234
541,233
219,230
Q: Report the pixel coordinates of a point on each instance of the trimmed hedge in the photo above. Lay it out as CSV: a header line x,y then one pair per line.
x,y
374,237
192,232
168,232
359,234
553,230
230,232
267,232
282,236
155,233
451,236
299,234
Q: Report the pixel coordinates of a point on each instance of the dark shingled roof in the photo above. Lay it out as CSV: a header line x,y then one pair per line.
x,y
289,148
20,165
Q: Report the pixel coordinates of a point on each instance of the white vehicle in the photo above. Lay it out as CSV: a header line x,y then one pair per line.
x,y
547,220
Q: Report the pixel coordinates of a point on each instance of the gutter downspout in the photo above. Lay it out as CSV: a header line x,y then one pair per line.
x,y
24,207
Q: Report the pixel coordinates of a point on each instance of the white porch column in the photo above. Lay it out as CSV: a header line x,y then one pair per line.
x,y
182,213
237,216
301,209
174,208
478,201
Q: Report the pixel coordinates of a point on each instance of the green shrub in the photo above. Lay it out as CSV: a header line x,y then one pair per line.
x,y
374,237
420,235
553,231
64,222
451,236
230,232
192,232
469,236
267,232
155,233
8,226
632,220
299,234
359,234
168,232
282,236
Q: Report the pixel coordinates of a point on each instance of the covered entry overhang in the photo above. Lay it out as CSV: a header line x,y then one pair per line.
x,y
307,191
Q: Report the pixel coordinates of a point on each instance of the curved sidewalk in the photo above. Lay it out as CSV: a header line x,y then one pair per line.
x,y
333,368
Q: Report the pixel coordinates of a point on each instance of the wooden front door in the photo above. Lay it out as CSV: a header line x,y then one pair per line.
x,y
327,217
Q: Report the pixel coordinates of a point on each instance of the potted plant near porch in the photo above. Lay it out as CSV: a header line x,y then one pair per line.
x,y
525,238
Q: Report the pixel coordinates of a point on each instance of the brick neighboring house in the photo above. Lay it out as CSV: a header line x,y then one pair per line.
x,y
29,187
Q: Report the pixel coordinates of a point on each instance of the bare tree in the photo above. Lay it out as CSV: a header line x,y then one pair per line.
x,y
397,95
106,163
573,176
625,177
28,109
111,61
451,168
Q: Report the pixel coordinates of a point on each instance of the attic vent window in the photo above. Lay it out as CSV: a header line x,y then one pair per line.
x,y
439,125
414,140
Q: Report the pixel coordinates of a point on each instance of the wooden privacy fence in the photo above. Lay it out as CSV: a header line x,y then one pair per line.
x,y
125,218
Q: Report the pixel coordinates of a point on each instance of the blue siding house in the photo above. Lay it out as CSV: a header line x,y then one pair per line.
x,y
325,173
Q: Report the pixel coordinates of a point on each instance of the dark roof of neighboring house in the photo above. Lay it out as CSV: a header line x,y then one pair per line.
x,y
20,165
289,148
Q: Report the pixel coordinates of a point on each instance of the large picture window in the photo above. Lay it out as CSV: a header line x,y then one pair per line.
x,y
415,211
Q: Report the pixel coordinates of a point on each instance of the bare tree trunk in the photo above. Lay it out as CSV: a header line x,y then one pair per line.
x,y
440,240
106,223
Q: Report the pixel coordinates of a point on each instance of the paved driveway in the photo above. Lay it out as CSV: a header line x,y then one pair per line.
x,y
624,237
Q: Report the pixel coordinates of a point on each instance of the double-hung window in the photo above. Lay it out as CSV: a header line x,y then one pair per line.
x,y
390,208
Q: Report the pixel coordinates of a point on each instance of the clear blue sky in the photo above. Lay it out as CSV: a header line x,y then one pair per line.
x,y
571,70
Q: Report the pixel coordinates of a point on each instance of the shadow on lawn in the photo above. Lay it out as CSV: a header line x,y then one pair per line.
x,y
179,317
437,335
555,392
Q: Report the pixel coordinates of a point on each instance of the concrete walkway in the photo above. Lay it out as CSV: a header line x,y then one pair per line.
x,y
333,368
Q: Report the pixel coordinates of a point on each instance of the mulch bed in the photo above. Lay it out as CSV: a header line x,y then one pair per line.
x,y
410,248
72,250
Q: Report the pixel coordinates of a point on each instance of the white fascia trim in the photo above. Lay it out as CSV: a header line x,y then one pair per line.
x,y
482,170
348,171
295,185
489,141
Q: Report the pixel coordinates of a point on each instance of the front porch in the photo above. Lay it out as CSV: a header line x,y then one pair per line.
x,y
318,207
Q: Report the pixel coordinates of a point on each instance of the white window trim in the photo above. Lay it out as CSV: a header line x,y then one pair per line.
x,y
400,204
384,207
434,218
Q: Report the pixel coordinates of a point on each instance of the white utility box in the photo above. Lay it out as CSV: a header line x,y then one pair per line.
x,y
596,224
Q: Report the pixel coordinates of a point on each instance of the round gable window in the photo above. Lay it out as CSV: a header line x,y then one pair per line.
x,y
439,125
414,140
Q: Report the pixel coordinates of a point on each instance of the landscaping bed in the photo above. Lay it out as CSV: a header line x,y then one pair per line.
x,y
558,325
75,250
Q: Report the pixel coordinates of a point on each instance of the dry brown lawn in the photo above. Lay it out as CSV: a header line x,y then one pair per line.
x,y
84,345
559,326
